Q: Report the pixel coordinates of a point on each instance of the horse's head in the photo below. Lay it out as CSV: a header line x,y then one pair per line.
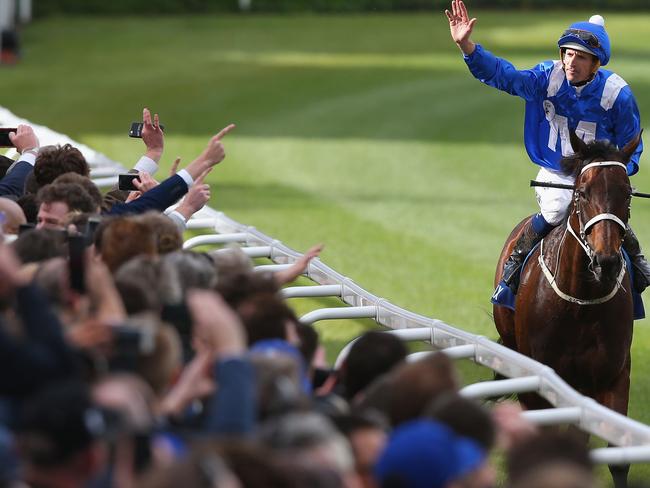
x,y
601,201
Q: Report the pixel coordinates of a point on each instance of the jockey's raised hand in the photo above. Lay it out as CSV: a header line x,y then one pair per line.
x,y
461,26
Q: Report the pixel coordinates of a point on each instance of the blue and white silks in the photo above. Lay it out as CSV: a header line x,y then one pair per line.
x,y
603,109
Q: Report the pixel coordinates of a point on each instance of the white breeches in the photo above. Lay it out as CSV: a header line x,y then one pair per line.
x,y
553,202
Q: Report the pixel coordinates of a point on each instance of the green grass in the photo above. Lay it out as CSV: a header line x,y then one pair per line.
x,y
365,132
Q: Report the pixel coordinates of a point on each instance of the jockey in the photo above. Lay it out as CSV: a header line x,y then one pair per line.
x,y
572,93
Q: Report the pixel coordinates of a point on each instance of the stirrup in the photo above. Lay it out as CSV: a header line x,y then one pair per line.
x,y
511,271
505,292
512,266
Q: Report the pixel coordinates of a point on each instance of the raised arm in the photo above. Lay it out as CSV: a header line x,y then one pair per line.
x,y
174,187
461,26
27,145
490,69
220,342
196,197
154,141
299,266
152,135
212,155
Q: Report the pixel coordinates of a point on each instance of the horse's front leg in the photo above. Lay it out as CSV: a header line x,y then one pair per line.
x,y
617,398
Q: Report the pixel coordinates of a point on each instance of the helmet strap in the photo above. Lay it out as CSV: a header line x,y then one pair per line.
x,y
583,82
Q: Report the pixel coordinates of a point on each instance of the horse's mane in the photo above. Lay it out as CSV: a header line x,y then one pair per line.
x,y
604,150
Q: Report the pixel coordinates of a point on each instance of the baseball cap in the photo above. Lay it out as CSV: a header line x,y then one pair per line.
x,y
427,454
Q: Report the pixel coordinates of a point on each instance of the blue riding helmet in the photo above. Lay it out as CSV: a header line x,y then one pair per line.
x,y
590,37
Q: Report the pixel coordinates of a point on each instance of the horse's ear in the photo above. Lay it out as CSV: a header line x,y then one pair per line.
x,y
631,146
577,144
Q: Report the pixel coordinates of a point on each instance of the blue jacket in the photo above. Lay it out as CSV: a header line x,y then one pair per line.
x,y
604,109
42,356
13,183
158,198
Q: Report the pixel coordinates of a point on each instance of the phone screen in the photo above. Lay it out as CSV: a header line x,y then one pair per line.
x,y
125,182
4,136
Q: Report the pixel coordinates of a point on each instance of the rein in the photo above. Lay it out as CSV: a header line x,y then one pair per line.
x,y
582,240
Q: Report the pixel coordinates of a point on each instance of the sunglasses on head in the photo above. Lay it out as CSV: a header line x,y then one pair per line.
x,y
583,35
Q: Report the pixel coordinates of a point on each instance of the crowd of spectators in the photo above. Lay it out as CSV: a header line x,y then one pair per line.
x,y
129,362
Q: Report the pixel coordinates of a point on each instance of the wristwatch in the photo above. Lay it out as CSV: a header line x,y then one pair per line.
x,y
31,150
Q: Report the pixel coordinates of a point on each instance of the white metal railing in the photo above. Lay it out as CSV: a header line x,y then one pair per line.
x,y
524,373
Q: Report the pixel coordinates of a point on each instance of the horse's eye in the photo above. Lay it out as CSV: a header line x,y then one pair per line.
x,y
581,193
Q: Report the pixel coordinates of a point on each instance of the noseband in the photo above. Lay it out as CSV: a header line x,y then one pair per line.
x,y
582,240
584,227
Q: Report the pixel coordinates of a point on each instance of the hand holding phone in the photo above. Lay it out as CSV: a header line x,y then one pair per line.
x,y
23,138
125,182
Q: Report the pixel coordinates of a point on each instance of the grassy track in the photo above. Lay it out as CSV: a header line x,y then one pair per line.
x,y
363,132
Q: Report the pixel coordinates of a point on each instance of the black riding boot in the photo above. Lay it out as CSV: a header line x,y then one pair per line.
x,y
527,240
641,266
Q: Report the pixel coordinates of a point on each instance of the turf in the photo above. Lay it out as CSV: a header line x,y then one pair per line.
x,y
365,132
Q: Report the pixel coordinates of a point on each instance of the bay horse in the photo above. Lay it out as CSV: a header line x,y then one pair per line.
x,y
573,310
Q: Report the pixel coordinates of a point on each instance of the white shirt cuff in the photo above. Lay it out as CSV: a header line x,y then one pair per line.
x,y
178,219
28,157
187,178
147,165
177,215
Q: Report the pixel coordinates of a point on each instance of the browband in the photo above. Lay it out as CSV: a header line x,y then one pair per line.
x,y
603,163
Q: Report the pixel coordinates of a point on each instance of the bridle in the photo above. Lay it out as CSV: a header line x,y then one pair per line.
x,y
584,227
581,237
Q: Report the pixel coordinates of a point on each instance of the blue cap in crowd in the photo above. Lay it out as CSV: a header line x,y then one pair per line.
x,y
427,454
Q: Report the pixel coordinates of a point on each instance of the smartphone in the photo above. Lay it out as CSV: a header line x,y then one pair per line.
x,y
76,263
91,227
4,136
129,344
25,227
125,181
129,340
136,129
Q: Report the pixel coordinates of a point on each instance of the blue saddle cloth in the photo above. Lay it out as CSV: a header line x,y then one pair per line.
x,y
504,297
